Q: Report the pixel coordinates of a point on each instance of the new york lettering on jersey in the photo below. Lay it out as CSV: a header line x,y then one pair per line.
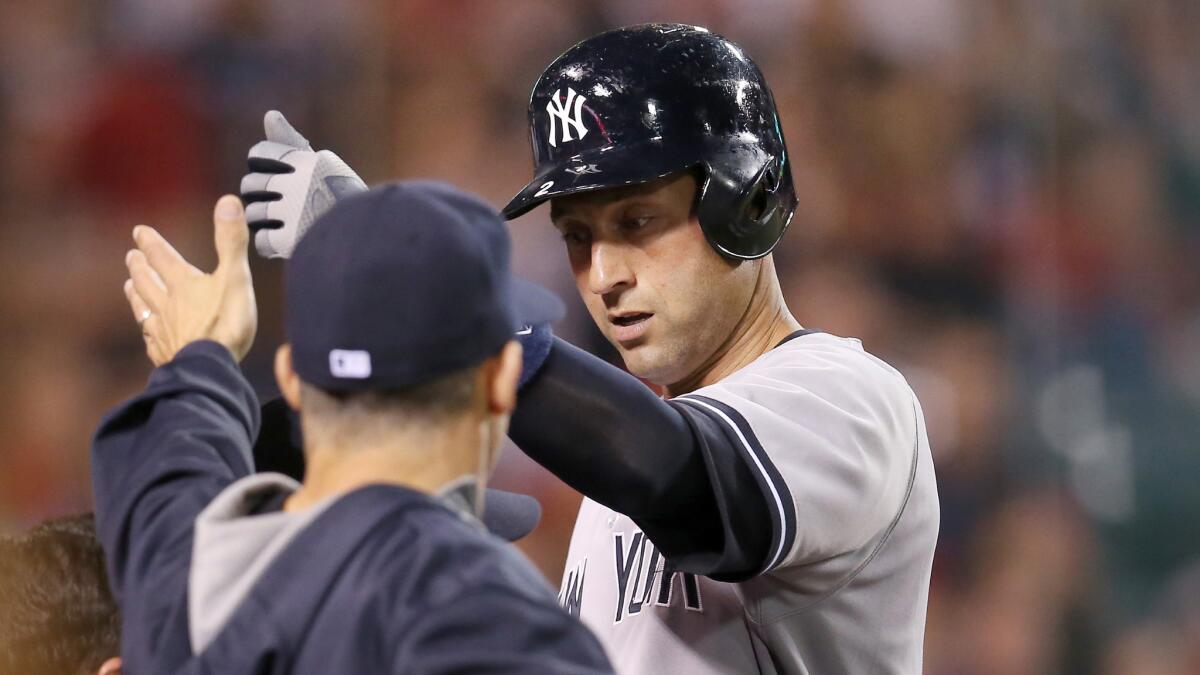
x,y
646,585
616,578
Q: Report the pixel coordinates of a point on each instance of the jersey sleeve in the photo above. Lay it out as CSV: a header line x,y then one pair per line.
x,y
830,433
157,461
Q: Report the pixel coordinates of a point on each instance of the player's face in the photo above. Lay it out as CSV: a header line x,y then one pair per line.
x,y
660,294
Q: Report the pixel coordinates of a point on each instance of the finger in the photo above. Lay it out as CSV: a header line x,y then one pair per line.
x,y
146,281
258,216
270,166
136,304
162,256
231,234
278,129
264,245
272,151
145,320
253,198
254,188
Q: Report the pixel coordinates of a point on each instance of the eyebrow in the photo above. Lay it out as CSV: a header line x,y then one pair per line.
x,y
614,194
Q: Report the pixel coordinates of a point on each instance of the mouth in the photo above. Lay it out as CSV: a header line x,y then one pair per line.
x,y
629,327
630,318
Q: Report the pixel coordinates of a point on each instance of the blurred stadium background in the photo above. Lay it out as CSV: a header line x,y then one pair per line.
x,y
1001,197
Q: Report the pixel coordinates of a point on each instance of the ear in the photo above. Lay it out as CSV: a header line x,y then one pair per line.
x,y
286,377
110,667
503,373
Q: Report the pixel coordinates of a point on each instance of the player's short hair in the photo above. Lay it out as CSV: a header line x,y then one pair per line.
x,y
424,404
57,615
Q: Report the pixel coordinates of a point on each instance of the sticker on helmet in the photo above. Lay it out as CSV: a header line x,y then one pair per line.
x,y
582,169
566,114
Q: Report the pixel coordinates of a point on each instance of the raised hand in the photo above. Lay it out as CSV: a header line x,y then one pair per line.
x,y
289,186
177,304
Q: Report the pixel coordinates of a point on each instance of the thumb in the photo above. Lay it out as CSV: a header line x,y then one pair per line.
x,y
279,130
231,234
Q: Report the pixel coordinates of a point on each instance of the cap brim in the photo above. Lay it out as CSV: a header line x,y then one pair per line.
x,y
534,305
510,515
596,169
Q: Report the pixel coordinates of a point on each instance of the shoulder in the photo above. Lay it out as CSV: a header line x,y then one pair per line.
x,y
821,361
815,376
441,578
831,430
429,556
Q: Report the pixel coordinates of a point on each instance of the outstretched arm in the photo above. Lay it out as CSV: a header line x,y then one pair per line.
x,y
158,459
673,470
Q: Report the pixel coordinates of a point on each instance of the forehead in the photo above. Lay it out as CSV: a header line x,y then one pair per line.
x,y
680,185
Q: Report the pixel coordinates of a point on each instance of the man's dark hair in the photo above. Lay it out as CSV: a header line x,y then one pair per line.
x,y
57,615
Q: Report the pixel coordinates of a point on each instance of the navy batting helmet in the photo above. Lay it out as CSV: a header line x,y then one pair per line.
x,y
639,103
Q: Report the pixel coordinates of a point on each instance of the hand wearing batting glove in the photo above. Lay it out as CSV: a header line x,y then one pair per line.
x,y
289,186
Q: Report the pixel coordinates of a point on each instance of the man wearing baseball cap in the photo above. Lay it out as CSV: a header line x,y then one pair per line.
x,y
377,562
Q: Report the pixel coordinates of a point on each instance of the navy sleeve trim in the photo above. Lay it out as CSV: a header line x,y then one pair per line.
x,y
771,482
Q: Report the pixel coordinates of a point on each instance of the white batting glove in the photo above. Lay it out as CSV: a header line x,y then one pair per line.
x,y
289,186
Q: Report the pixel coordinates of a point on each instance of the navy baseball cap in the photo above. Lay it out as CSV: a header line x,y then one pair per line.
x,y
404,283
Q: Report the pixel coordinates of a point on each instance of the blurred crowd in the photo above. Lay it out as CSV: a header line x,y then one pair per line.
x,y
1000,197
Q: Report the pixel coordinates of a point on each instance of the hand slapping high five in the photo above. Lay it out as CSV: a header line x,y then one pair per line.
x,y
177,304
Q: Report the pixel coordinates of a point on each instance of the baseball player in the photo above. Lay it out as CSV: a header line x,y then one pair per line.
x,y
776,511
377,562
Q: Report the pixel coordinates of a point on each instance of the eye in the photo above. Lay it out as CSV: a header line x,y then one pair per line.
x,y
574,237
636,222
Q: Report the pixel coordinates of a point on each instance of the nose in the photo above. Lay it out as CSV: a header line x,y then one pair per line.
x,y
609,269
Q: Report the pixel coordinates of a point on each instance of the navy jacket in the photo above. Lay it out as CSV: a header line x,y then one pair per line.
x,y
380,580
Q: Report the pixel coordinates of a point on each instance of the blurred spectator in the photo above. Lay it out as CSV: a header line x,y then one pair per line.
x,y
144,139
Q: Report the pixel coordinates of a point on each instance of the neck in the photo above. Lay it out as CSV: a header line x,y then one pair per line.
x,y
765,322
422,459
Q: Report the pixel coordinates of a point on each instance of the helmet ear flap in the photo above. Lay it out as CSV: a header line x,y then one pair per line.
x,y
761,202
744,224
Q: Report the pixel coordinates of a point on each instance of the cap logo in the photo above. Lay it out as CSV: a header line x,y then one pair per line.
x,y
352,364
568,114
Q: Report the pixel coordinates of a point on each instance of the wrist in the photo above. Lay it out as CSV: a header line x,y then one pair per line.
x,y
205,348
536,346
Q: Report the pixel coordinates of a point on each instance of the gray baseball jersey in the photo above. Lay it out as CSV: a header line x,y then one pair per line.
x,y
839,440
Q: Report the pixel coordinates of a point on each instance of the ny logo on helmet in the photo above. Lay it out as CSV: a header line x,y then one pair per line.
x,y
568,113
